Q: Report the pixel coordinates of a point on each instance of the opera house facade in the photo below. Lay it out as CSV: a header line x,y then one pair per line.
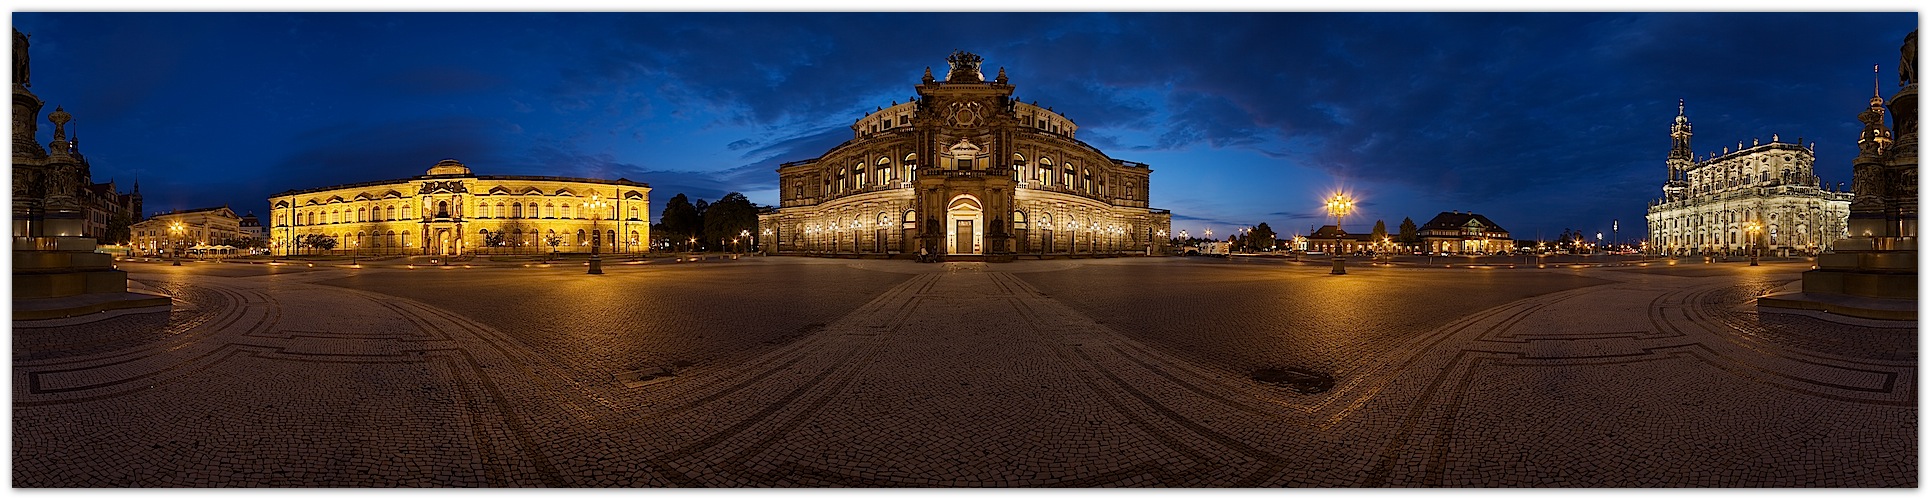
x,y
966,171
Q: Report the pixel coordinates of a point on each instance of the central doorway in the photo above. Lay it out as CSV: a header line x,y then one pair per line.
x,y
966,230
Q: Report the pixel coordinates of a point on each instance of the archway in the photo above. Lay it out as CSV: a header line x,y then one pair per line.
x,y
965,226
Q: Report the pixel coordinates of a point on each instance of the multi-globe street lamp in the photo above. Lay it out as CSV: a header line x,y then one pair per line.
x,y
1754,258
1338,206
176,230
595,206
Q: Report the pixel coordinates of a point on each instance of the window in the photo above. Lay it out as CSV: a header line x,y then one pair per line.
x,y
964,163
884,170
499,210
565,209
361,215
442,209
1071,177
549,210
860,173
405,234
406,215
633,212
1087,184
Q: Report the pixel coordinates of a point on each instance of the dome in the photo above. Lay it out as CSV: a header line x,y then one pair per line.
x,y
449,166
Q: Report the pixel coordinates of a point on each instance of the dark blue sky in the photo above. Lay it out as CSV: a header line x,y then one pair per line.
x,y
1540,121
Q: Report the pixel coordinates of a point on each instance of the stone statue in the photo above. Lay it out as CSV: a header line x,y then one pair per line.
x,y
1906,69
21,70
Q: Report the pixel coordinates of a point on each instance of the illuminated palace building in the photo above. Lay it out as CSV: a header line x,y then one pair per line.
x,y
1762,197
965,170
450,211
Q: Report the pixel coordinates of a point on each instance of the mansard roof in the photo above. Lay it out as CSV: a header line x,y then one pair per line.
x,y
1454,221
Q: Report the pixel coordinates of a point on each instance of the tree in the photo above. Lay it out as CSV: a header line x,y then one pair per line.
x,y
680,220
1262,238
512,233
553,241
495,239
321,241
119,230
729,218
1410,235
1379,234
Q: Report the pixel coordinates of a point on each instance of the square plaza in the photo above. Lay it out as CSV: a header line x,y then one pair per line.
x,y
838,372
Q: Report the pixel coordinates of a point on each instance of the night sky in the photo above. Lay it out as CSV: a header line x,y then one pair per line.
x,y
1540,121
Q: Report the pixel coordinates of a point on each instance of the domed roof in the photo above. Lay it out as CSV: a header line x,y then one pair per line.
x,y
449,166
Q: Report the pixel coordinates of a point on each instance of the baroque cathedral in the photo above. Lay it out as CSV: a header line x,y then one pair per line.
x,y
1764,197
965,170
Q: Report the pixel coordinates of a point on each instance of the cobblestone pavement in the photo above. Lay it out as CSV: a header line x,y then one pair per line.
x,y
816,372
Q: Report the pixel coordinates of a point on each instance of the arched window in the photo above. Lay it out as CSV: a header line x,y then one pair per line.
x,y
405,234
633,212
841,181
391,215
442,209
858,171
549,210
1071,177
1086,184
499,210
358,238
406,214
911,166
516,210
389,239
1045,173
361,215
580,239
566,210
884,171
884,219
911,218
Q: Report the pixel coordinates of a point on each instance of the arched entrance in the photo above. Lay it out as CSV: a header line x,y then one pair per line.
x,y
965,226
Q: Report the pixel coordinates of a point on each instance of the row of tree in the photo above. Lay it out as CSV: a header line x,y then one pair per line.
x,y
1263,238
707,226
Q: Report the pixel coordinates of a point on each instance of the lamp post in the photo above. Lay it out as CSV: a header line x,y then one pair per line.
x,y
175,229
746,236
1338,206
1753,227
595,206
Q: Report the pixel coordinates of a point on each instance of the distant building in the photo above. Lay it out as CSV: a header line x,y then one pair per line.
x,y
965,169
201,227
251,227
1457,232
1331,239
1709,205
451,211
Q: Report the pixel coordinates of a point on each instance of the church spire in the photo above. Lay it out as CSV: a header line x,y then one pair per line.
x,y
1680,133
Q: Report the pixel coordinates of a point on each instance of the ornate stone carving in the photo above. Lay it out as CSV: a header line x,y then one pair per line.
x,y
447,186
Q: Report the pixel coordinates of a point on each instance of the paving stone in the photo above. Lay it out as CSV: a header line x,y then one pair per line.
x,y
813,372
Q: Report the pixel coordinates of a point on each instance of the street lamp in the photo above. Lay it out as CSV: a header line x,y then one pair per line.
x,y
176,229
595,206
1338,206
1754,227
746,236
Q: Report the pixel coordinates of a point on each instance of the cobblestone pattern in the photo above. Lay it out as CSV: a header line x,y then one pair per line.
x,y
967,374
